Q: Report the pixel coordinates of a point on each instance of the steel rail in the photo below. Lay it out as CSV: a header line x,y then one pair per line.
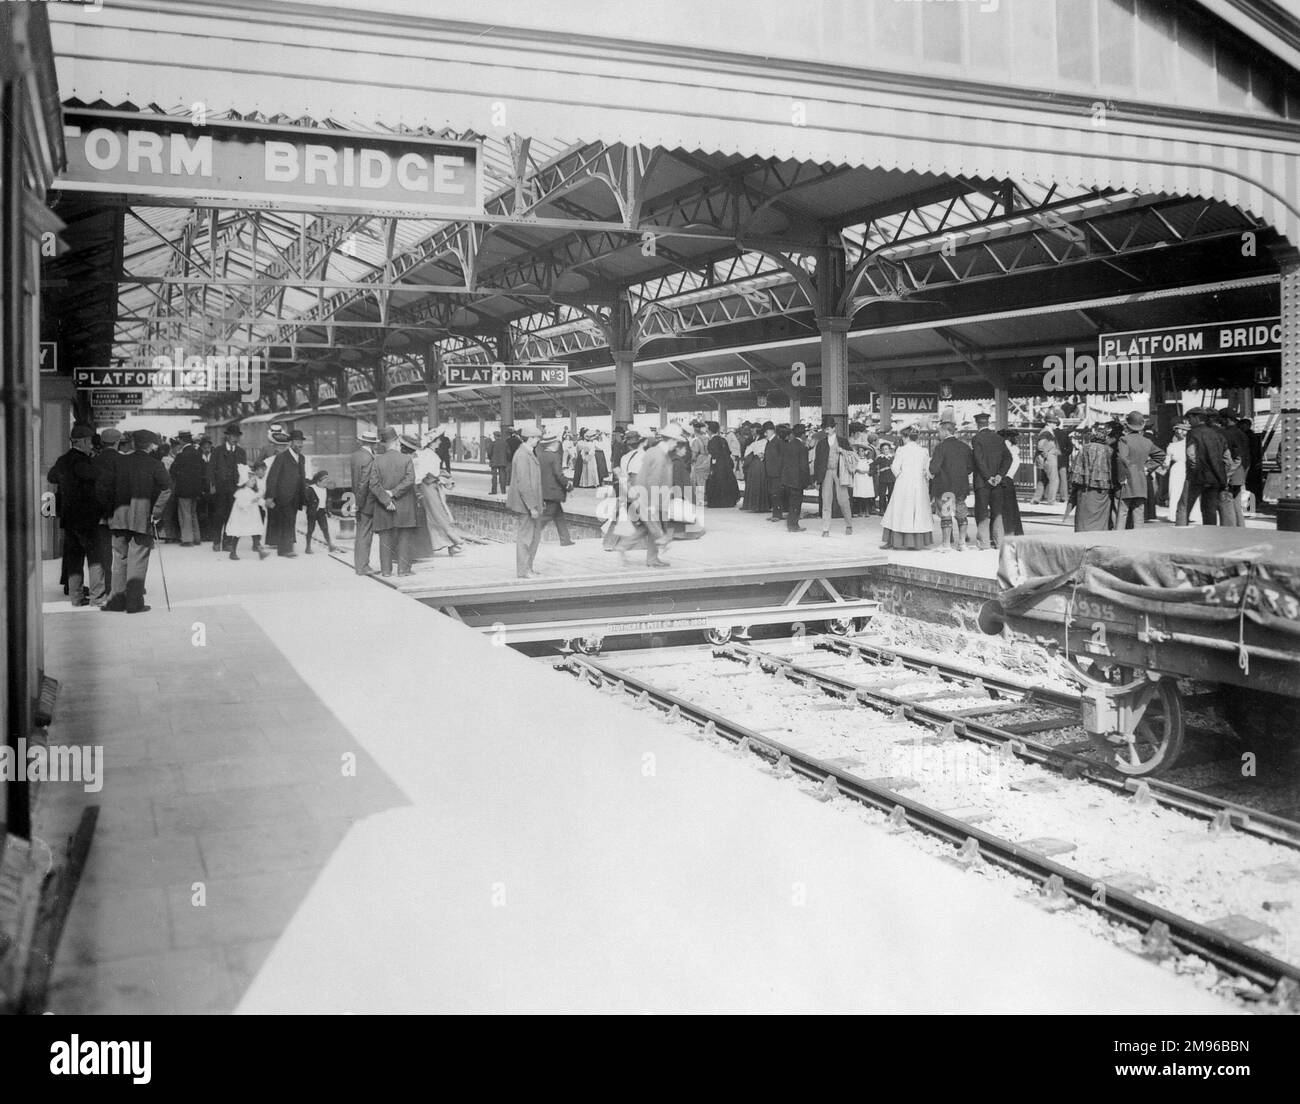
x,y
1282,979
1228,814
1170,793
917,662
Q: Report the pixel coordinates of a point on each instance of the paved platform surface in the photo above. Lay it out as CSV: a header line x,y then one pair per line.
x,y
509,840
734,539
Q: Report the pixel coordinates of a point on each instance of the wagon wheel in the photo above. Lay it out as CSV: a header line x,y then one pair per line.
x,y
717,636
841,626
1157,741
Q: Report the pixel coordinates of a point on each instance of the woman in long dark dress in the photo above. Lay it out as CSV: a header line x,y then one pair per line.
x,y
721,490
756,497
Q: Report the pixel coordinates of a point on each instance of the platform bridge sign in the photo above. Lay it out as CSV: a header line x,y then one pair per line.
x,y
505,375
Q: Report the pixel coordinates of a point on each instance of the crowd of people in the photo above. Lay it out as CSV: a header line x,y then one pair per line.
x,y
120,493
397,482
646,495
1115,470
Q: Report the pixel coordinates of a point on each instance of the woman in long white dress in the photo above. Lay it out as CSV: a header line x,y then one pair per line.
x,y
587,473
908,522
1176,467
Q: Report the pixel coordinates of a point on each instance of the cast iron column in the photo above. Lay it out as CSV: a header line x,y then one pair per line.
x,y
1288,507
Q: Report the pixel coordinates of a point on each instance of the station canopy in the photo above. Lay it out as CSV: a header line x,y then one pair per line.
x,y
705,210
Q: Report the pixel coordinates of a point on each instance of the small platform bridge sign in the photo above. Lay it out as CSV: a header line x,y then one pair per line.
x,y
505,375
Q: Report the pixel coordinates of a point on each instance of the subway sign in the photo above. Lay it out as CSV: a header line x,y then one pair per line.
x,y
188,161
1244,337
721,383
907,402
505,375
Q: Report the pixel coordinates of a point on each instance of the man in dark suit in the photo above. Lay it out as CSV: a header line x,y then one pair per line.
x,y
992,460
772,470
79,513
105,462
225,479
1230,512
187,485
1207,472
1255,473
555,487
1141,456
392,483
141,488
794,476
362,461
950,471
286,489
499,459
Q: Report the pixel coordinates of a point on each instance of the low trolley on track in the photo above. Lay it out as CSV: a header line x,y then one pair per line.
x,y
1144,615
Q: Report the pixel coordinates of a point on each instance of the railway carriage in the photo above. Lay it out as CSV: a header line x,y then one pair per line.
x,y
330,440
1153,617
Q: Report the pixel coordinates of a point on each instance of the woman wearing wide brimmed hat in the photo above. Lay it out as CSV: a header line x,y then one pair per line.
x,y
432,484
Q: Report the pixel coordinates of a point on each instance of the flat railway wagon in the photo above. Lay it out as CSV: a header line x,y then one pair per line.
x,y
1140,615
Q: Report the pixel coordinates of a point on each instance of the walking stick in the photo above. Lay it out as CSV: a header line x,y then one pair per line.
x,y
162,570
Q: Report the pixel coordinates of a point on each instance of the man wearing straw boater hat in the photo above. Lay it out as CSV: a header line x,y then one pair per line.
x,y
362,461
524,497
285,493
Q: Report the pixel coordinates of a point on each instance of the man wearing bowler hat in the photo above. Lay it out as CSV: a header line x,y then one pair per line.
x,y
392,485
105,462
226,462
1141,456
187,484
141,488
74,474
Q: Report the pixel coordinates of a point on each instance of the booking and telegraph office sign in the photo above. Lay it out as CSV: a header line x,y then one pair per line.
x,y
179,160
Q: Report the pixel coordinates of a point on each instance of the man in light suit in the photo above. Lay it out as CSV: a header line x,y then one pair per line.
x,y
392,483
524,497
655,491
833,465
363,461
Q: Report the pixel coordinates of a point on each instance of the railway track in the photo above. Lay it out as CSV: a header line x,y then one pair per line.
x,y
1010,698
1163,930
